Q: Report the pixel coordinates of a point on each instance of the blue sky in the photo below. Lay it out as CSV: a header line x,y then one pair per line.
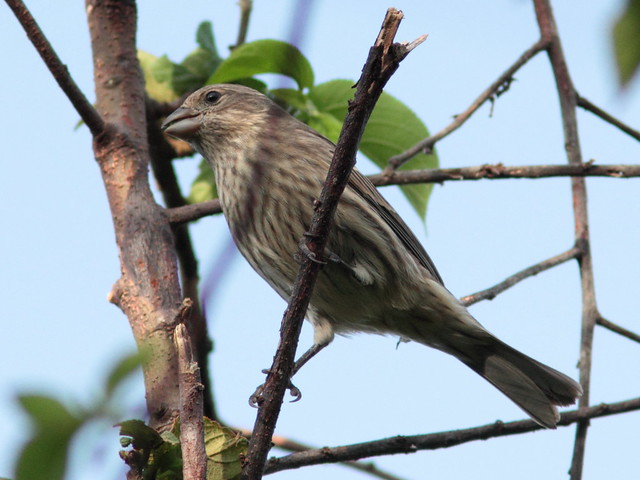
x,y
59,259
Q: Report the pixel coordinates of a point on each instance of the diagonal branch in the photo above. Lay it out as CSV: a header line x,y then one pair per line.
x,y
587,105
384,59
87,112
490,293
497,87
603,322
433,441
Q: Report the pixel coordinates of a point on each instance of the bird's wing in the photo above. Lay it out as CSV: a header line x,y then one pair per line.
x,y
365,189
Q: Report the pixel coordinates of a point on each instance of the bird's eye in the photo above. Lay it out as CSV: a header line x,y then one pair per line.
x,y
212,97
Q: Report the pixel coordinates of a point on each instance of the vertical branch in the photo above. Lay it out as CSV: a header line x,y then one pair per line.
x,y
568,102
148,291
194,456
383,60
161,156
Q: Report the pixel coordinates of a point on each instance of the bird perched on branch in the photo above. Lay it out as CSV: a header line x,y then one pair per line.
x,y
269,169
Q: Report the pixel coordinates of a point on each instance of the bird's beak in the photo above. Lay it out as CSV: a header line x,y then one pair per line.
x,y
184,123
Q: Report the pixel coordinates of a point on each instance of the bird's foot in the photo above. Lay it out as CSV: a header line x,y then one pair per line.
x,y
258,396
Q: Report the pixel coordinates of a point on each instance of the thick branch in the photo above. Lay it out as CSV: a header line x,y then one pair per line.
x,y
490,293
148,290
384,58
568,101
89,115
433,441
161,155
496,88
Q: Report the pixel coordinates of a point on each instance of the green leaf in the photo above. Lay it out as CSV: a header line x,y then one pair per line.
x,y
225,449
200,64
392,128
626,41
123,369
289,97
203,187
162,91
264,56
206,41
44,457
143,437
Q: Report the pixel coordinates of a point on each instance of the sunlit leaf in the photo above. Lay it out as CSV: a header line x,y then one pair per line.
x,y
225,449
264,56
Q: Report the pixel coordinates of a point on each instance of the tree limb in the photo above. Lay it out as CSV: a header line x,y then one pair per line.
x,y
433,441
148,290
384,58
194,456
590,107
87,112
497,171
490,293
568,98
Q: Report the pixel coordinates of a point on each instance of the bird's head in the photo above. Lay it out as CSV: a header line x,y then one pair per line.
x,y
218,113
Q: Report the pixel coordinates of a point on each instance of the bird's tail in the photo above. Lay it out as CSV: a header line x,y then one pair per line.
x,y
533,386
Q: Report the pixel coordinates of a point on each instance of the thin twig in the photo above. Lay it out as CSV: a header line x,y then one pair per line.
x,y
490,293
194,456
603,322
384,58
245,14
587,105
568,102
427,144
433,441
87,112
498,171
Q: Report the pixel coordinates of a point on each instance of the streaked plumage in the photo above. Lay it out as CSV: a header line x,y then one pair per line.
x,y
269,170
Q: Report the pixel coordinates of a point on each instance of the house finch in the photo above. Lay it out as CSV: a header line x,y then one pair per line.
x,y
269,169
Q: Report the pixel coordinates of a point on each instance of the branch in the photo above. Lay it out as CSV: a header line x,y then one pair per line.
x,y
87,112
587,105
496,171
245,14
287,444
188,213
148,291
490,293
496,88
433,441
161,156
500,171
603,322
568,101
194,456
384,58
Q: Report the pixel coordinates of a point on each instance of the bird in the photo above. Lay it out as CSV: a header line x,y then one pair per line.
x,y
377,277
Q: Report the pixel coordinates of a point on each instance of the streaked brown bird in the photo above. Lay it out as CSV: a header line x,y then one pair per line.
x,y
378,278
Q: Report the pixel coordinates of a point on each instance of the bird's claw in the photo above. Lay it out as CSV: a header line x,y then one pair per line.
x,y
257,397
